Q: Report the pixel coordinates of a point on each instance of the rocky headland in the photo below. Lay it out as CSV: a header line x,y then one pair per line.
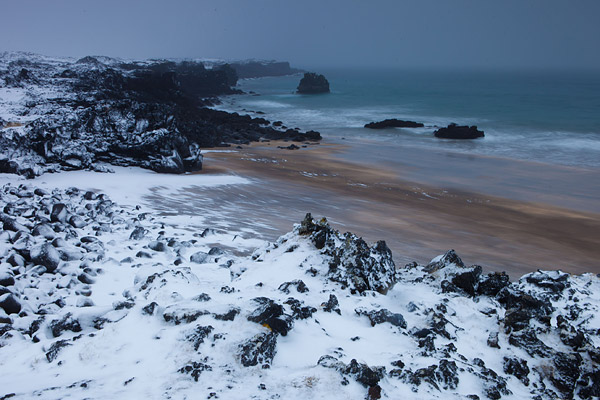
x,y
89,113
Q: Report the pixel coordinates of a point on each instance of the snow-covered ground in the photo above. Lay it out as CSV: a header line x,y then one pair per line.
x,y
124,300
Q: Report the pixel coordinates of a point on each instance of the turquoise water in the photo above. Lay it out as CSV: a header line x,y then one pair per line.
x,y
544,117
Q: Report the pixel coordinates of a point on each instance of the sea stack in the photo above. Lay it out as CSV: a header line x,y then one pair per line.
x,y
313,83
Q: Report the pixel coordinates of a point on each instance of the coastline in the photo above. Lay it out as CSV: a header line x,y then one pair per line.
x,y
416,219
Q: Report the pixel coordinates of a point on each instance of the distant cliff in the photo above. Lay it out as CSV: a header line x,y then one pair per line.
x,y
257,69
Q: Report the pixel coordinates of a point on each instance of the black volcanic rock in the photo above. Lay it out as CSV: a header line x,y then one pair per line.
x,y
149,114
454,131
313,83
393,123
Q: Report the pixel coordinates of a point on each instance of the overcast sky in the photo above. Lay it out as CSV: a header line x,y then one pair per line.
x,y
416,33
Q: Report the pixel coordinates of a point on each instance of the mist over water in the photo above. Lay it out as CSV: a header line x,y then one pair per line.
x,y
551,117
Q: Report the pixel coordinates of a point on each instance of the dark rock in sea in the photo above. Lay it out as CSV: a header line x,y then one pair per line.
x,y
454,131
313,83
46,255
332,305
259,350
9,303
290,147
381,316
393,123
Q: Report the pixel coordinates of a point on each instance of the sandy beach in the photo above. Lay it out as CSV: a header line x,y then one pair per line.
x,y
417,219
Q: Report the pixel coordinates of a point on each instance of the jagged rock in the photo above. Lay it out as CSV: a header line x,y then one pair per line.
x,y
381,316
270,314
228,316
518,368
299,311
528,341
9,303
354,263
332,305
566,372
66,323
493,340
363,374
55,348
493,283
393,123
555,284
298,284
259,350
46,255
454,131
450,258
185,316
313,83
197,336
195,369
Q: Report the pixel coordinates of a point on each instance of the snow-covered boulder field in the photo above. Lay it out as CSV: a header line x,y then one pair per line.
x,y
99,301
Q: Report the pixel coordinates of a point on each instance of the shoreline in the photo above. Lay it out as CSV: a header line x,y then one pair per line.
x,y
415,219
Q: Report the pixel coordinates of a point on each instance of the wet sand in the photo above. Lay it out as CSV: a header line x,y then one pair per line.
x,y
418,220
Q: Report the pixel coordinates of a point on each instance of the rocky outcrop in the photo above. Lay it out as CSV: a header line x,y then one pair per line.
x,y
148,114
313,83
454,131
393,123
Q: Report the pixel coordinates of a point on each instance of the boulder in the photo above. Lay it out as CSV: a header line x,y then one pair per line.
x,y
259,350
46,255
10,304
313,83
454,131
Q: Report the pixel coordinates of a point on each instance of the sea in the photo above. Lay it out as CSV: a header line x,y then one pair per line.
x,y
539,116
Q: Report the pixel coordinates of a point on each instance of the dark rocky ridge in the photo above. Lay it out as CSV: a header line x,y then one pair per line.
x,y
257,69
151,114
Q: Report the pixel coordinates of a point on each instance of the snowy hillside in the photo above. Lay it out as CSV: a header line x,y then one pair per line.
x,y
106,300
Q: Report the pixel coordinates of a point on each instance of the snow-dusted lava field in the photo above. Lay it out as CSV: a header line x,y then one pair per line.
x,y
104,296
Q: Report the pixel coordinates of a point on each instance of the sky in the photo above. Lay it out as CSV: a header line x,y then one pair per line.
x,y
541,34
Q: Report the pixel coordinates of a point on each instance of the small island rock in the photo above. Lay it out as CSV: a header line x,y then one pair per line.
x,y
454,131
313,83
